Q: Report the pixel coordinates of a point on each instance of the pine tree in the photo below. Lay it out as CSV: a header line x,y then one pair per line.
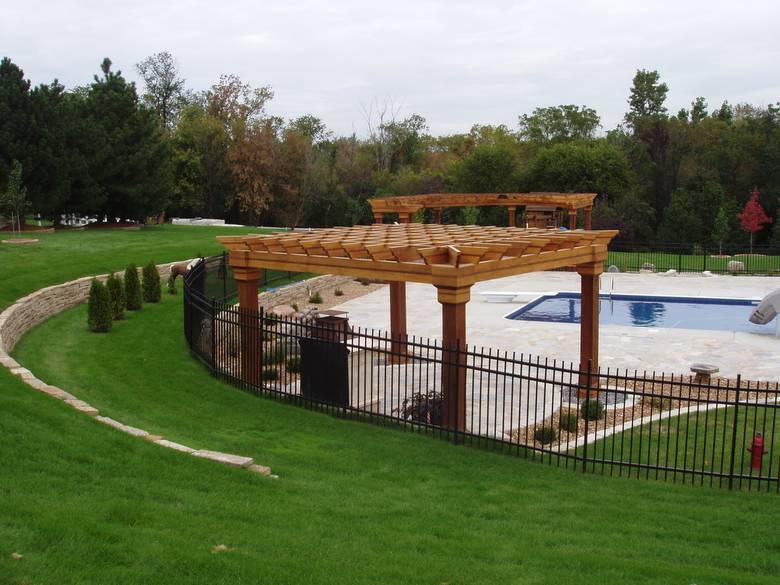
x,y
132,289
99,308
117,294
151,276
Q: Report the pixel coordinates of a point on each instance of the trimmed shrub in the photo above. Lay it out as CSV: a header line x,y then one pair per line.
x,y
99,316
364,281
315,298
133,300
545,435
274,355
338,292
423,408
172,285
270,374
116,293
295,307
591,409
568,421
657,402
294,364
151,278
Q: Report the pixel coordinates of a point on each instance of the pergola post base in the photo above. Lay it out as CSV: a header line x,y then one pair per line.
x,y
512,216
249,324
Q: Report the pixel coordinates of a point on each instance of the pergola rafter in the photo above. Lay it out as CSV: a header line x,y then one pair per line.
x,y
450,257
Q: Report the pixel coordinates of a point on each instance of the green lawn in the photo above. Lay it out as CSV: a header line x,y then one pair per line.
x,y
670,443
65,255
355,503
631,261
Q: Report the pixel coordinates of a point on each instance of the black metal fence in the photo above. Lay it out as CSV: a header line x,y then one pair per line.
x,y
630,424
660,257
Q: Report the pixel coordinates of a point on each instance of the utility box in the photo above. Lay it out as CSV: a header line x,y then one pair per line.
x,y
331,325
324,371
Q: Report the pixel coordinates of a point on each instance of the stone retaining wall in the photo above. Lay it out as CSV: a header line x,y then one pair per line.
x,y
299,291
36,307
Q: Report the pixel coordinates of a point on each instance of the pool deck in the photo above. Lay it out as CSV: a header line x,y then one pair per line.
x,y
755,356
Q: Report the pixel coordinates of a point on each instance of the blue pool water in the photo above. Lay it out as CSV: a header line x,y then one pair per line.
x,y
647,311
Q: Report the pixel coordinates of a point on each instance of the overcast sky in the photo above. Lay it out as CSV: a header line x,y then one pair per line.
x,y
454,62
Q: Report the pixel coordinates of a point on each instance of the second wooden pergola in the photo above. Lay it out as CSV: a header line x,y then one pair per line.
x,y
407,205
452,258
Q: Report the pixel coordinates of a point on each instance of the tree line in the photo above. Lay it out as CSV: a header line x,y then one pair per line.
x,y
107,149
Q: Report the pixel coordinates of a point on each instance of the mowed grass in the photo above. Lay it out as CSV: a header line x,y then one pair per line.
x,y
66,255
355,503
632,261
700,441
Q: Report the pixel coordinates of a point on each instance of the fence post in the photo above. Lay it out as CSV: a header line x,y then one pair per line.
x,y
213,327
734,434
585,446
679,260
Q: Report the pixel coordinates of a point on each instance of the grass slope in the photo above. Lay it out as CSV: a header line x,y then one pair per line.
x,y
356,503
63,256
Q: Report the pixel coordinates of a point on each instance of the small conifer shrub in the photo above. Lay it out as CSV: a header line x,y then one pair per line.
x,y
315,298
270,374
294,364
151,282
116,293
99,316
545,435
591,409
133,300
568,421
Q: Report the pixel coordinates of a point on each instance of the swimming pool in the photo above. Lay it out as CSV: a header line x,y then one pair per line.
x,y
648,311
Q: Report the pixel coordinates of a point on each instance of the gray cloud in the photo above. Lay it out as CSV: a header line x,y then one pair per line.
x,y
455,62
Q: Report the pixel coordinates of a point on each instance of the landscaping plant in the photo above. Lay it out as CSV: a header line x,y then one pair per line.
x,y
545,435
99,308
315,298
568,421
294,364
151,281
424,407
116,293
270,374
591,409
133,300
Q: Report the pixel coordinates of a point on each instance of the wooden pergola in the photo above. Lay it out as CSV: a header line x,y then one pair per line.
x,y
450,257
407,205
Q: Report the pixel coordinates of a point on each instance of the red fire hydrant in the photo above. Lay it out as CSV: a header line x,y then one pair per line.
x,y
757,449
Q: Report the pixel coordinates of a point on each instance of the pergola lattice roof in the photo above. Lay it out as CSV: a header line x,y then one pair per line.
x,y
413,203
446,255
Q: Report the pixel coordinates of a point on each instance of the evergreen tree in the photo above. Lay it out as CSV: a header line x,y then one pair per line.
x,y
99,308
131,160
132,289
681,222
151,276
117,293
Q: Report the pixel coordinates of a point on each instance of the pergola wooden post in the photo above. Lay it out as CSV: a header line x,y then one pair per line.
x,y
588,217
512,219
437,215
572,219
453,375
450,257
379,217
251,343
589,326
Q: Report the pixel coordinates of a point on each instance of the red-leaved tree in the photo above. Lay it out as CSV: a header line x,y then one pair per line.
x,y
753,217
